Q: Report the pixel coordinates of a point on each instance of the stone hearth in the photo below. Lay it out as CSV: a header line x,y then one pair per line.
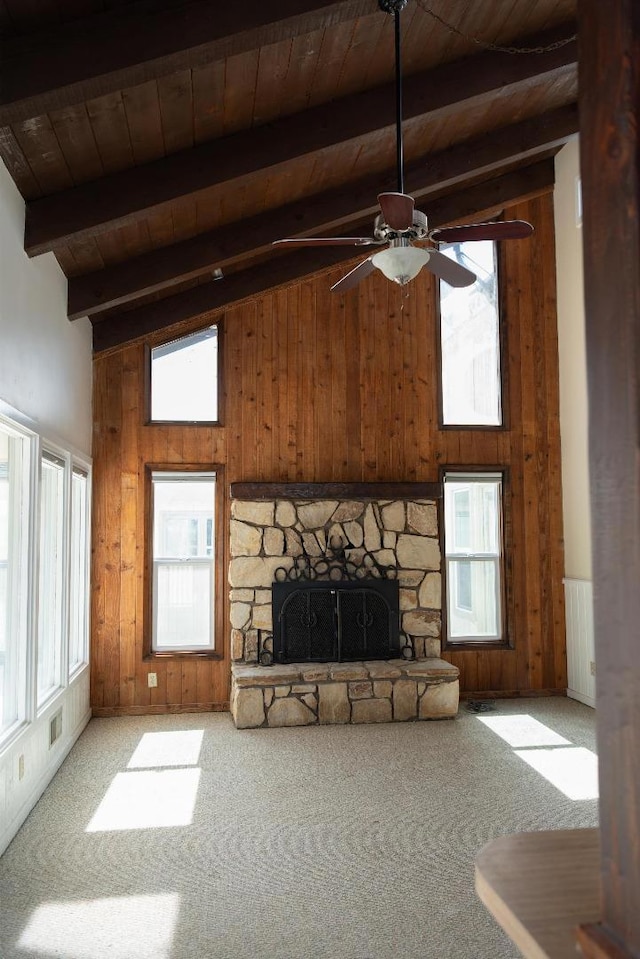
x,y
304,694
287,533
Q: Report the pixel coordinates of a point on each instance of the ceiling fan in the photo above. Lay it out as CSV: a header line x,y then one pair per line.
x,y
399,225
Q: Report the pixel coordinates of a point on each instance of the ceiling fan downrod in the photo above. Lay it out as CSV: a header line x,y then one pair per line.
x,y
394,7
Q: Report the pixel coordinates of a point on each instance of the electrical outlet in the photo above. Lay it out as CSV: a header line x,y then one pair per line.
x,y
592,667
152,680
21,766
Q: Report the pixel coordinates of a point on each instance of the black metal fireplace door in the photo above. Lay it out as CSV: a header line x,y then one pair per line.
x,y
333,622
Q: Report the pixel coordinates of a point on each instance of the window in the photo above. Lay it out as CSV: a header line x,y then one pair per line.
x,y
51,574
183,506
44,570
14,526
470,341
184,379
473,556
79,579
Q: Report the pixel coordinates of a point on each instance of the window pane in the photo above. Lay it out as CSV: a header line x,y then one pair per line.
x,y
50,582
184,378
473,511
13,577
473,548
470,340
473,599
183,608
78,613
183,558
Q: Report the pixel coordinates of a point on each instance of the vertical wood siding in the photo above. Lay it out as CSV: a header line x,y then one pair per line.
x,y
319,388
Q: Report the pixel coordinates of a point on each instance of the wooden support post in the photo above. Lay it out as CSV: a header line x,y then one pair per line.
x,y
609,72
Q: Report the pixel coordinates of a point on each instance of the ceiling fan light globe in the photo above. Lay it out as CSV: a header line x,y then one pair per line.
x,y
401,264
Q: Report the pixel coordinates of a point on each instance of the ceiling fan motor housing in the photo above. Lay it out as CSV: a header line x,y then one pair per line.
x,y
417,231
392,6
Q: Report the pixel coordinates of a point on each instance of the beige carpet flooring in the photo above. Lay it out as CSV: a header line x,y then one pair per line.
x,y
179,837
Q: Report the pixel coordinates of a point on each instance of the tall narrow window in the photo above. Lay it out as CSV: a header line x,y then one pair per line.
x,y
183,561
14,523
79,567
473,552
470,341
184,379
51,579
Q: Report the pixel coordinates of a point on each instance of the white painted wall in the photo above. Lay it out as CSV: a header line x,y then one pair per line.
x,y
574,424
573,367
45,374
45,361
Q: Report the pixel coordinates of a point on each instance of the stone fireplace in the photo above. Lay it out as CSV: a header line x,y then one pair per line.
x,y
317,542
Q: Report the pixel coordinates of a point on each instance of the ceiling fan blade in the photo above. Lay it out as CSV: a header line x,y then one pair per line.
x,y
329,241
449,270
498,230
354,276
397,210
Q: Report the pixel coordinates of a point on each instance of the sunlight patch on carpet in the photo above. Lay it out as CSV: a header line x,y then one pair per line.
x,y
523,730
148,800
181,748
572,770
93,929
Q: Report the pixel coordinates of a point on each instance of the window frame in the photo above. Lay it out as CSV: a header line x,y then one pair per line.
x,y
25,654
148,358
503,563
149,654
62,460
503,350
80,467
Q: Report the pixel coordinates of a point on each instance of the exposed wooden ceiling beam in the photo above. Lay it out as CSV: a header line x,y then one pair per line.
x,y
161,269
123,198
134,324
88,58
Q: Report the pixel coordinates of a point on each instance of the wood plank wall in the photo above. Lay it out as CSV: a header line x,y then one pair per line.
x,y
321,387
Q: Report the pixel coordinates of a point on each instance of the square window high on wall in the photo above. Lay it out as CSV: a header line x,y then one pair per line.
x,y
183,600
470,372
474,558
185,380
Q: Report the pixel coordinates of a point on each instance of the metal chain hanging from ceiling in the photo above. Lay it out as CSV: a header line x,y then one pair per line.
x,y
487,45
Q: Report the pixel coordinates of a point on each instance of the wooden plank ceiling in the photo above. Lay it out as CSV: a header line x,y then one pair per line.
x,y
157,141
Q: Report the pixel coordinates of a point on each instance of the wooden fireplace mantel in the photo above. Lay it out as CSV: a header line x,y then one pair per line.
x,y
317,491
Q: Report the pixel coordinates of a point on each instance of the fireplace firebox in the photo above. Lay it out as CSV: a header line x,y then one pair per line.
x,y
335,621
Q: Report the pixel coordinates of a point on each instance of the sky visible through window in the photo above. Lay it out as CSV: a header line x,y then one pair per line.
x,y
184,378
470,340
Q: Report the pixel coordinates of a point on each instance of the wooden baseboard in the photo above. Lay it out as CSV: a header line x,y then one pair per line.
x,y
100,712
510,693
